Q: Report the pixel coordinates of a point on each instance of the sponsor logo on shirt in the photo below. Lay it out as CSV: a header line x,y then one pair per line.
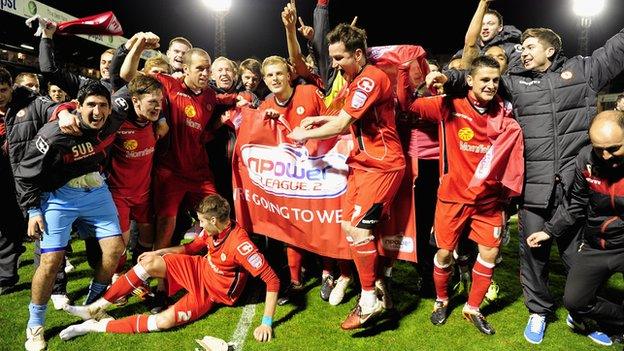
x,y
223,257
359,99
461,115
130,144
477,149
289,170
255,260
245,248
465,134
193,124
214,266
140,153
189,111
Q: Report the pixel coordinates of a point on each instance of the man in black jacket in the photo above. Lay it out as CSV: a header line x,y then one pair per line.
x,y
58,181
553,99
596,198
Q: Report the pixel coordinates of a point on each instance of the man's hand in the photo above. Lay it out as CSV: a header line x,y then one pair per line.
x,y
36,226
263,333
289,15
69,123
271,114
435,81
298,135
241,101
536,239
312,122
306,31
152,41
162,128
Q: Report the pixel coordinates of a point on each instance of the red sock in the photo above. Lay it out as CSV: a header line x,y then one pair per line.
x,y
481,279
123,286
365,259
128,325
122,262
441,276
328,265
344,266
323,3
294,257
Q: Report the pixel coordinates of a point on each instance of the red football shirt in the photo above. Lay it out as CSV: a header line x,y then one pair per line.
x,y
463,143
189,113
132,157
370,101
306,100
231,257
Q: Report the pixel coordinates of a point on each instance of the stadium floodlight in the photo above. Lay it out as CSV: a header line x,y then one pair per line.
x,y
587,8
219,5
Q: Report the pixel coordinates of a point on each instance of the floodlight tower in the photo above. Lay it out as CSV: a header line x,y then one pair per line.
x,y
220,9
586,10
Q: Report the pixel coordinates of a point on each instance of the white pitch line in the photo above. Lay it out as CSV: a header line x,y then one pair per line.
x,y
240,333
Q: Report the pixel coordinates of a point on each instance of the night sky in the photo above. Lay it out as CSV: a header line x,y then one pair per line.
x,y
254,27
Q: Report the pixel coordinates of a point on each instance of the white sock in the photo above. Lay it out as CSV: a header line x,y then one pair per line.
x,y
151,323
368,299
83,328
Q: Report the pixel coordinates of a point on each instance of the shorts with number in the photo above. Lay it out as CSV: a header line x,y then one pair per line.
x,y
369,195
484,223
187,272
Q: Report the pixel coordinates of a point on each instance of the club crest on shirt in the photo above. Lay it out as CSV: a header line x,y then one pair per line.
x,y
465,134
130,144
366,84
300,110
189,111
566,75
223,257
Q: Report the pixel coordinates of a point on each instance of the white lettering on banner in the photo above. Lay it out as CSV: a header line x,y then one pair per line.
x,y
297,214
376,52
289,171
398,243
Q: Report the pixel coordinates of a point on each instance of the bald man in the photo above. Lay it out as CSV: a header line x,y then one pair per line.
x,y
596,197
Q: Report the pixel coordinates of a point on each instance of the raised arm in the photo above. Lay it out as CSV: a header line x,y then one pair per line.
x,y
130,66
607,62
118,58
289,19
66,80
471,41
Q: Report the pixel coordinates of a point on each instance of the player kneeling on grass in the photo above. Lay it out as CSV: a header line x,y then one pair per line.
x,y
217,278
483,152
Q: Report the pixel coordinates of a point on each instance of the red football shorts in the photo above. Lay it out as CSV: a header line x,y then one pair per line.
x,y
137,208
485,222
368,196
187,272
170,189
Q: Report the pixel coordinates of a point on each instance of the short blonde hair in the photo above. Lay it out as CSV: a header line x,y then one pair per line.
x,y
181,40
274,60
156,61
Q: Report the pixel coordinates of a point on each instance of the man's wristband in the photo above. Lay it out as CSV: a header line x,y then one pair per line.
x,y
268,321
